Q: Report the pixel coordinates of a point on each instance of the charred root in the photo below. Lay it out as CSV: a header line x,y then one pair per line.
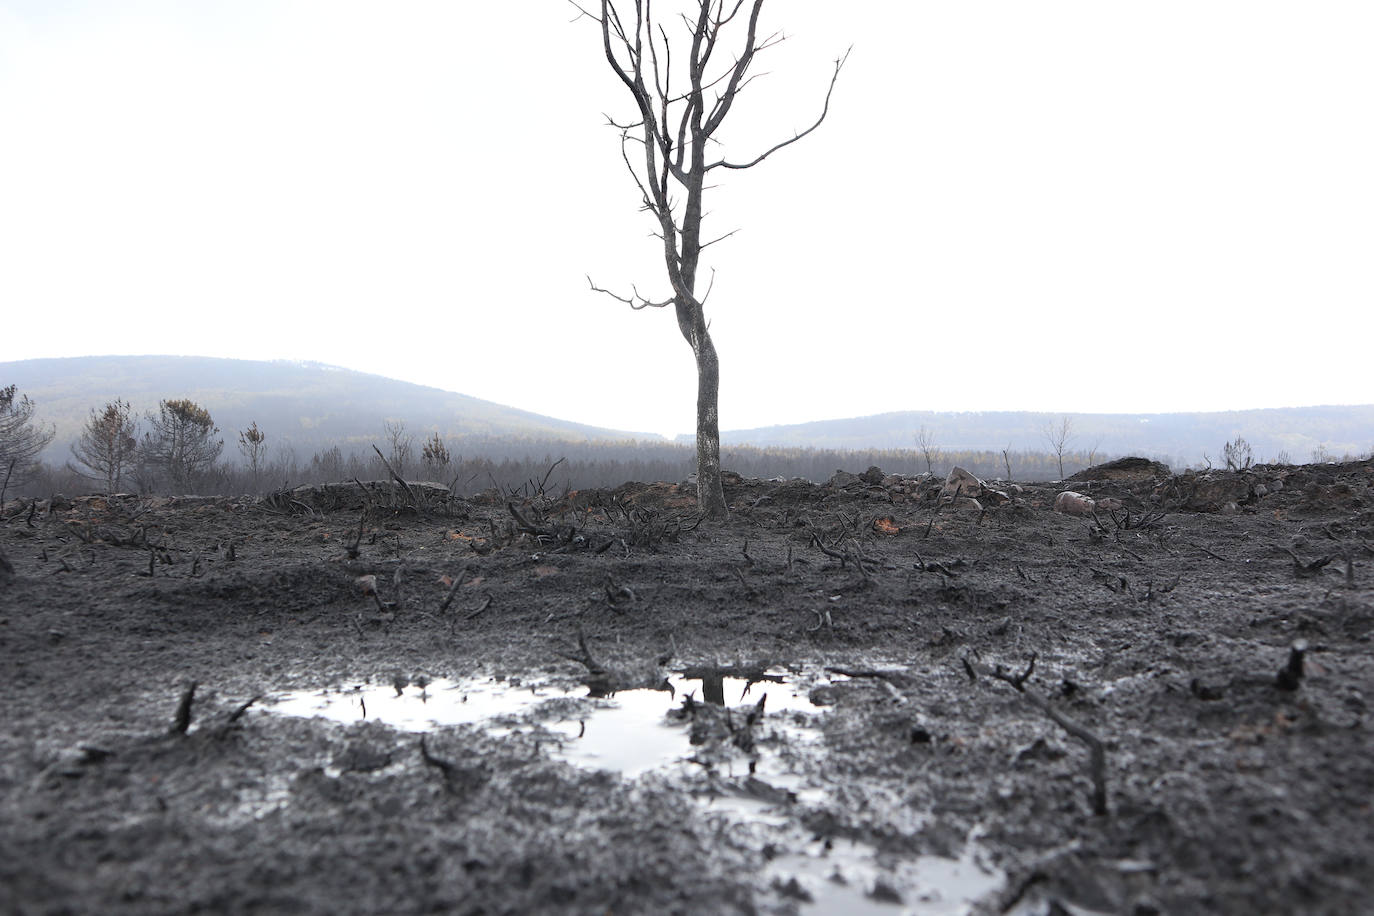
x,y
1097,752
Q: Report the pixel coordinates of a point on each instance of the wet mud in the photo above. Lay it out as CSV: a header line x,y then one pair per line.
x,y
876,695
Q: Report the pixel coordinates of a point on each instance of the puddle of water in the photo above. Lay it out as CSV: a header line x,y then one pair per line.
x,y
632,733
844,877
414,708
447,702
628,733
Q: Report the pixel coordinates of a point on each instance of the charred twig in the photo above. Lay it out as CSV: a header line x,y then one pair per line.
x,y
446,769
238,713
1308,570
859,559
384,608
828,551
598,680
1290,675
470,615
1016,680
414,503
616,592
1097,752
6,485
525,524
182,721
935,511
739,574
1214,556
946,570
234,716
1153,591
453,589
887,677
1112,582
1122,520
544,482
352,546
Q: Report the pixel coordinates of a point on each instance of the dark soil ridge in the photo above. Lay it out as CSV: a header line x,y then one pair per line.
x,y
1163,634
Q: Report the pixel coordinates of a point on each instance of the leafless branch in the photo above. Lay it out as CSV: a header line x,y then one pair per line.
x,y
705,245
839,64
636,301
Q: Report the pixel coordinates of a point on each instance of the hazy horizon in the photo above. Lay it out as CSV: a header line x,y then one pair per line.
x,y
538,409
306,405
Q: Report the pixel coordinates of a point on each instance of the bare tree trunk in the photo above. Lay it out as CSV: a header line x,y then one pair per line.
x,y
710,489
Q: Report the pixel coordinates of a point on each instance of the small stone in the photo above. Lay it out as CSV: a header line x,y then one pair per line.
x,y
842,479
1071,503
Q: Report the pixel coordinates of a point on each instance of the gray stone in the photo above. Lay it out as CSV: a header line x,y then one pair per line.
x,y
1071,503
961,483
873,476
842,479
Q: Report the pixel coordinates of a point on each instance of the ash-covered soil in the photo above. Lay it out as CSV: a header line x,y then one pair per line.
x,y
1193,736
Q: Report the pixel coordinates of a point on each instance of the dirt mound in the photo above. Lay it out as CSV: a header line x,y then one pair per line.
x,y
1133,469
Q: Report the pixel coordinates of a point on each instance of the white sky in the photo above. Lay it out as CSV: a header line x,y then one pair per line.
x,y
1063,206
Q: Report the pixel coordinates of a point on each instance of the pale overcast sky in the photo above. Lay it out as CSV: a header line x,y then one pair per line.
x,y
1062,206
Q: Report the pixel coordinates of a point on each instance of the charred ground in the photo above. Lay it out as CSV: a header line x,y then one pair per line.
x,y
1160,628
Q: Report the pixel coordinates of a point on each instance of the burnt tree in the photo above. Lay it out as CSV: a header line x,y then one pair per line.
x,y
182,442
681,102
108,444
22,439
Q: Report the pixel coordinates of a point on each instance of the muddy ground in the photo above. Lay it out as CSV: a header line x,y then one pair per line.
x,y
1231,781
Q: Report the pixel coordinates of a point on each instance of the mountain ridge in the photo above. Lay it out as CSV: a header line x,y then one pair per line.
x,y
308,405
303,404
1179,438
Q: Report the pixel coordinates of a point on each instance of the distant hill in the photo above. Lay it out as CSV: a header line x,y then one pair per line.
x,y
306,406
1178,438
